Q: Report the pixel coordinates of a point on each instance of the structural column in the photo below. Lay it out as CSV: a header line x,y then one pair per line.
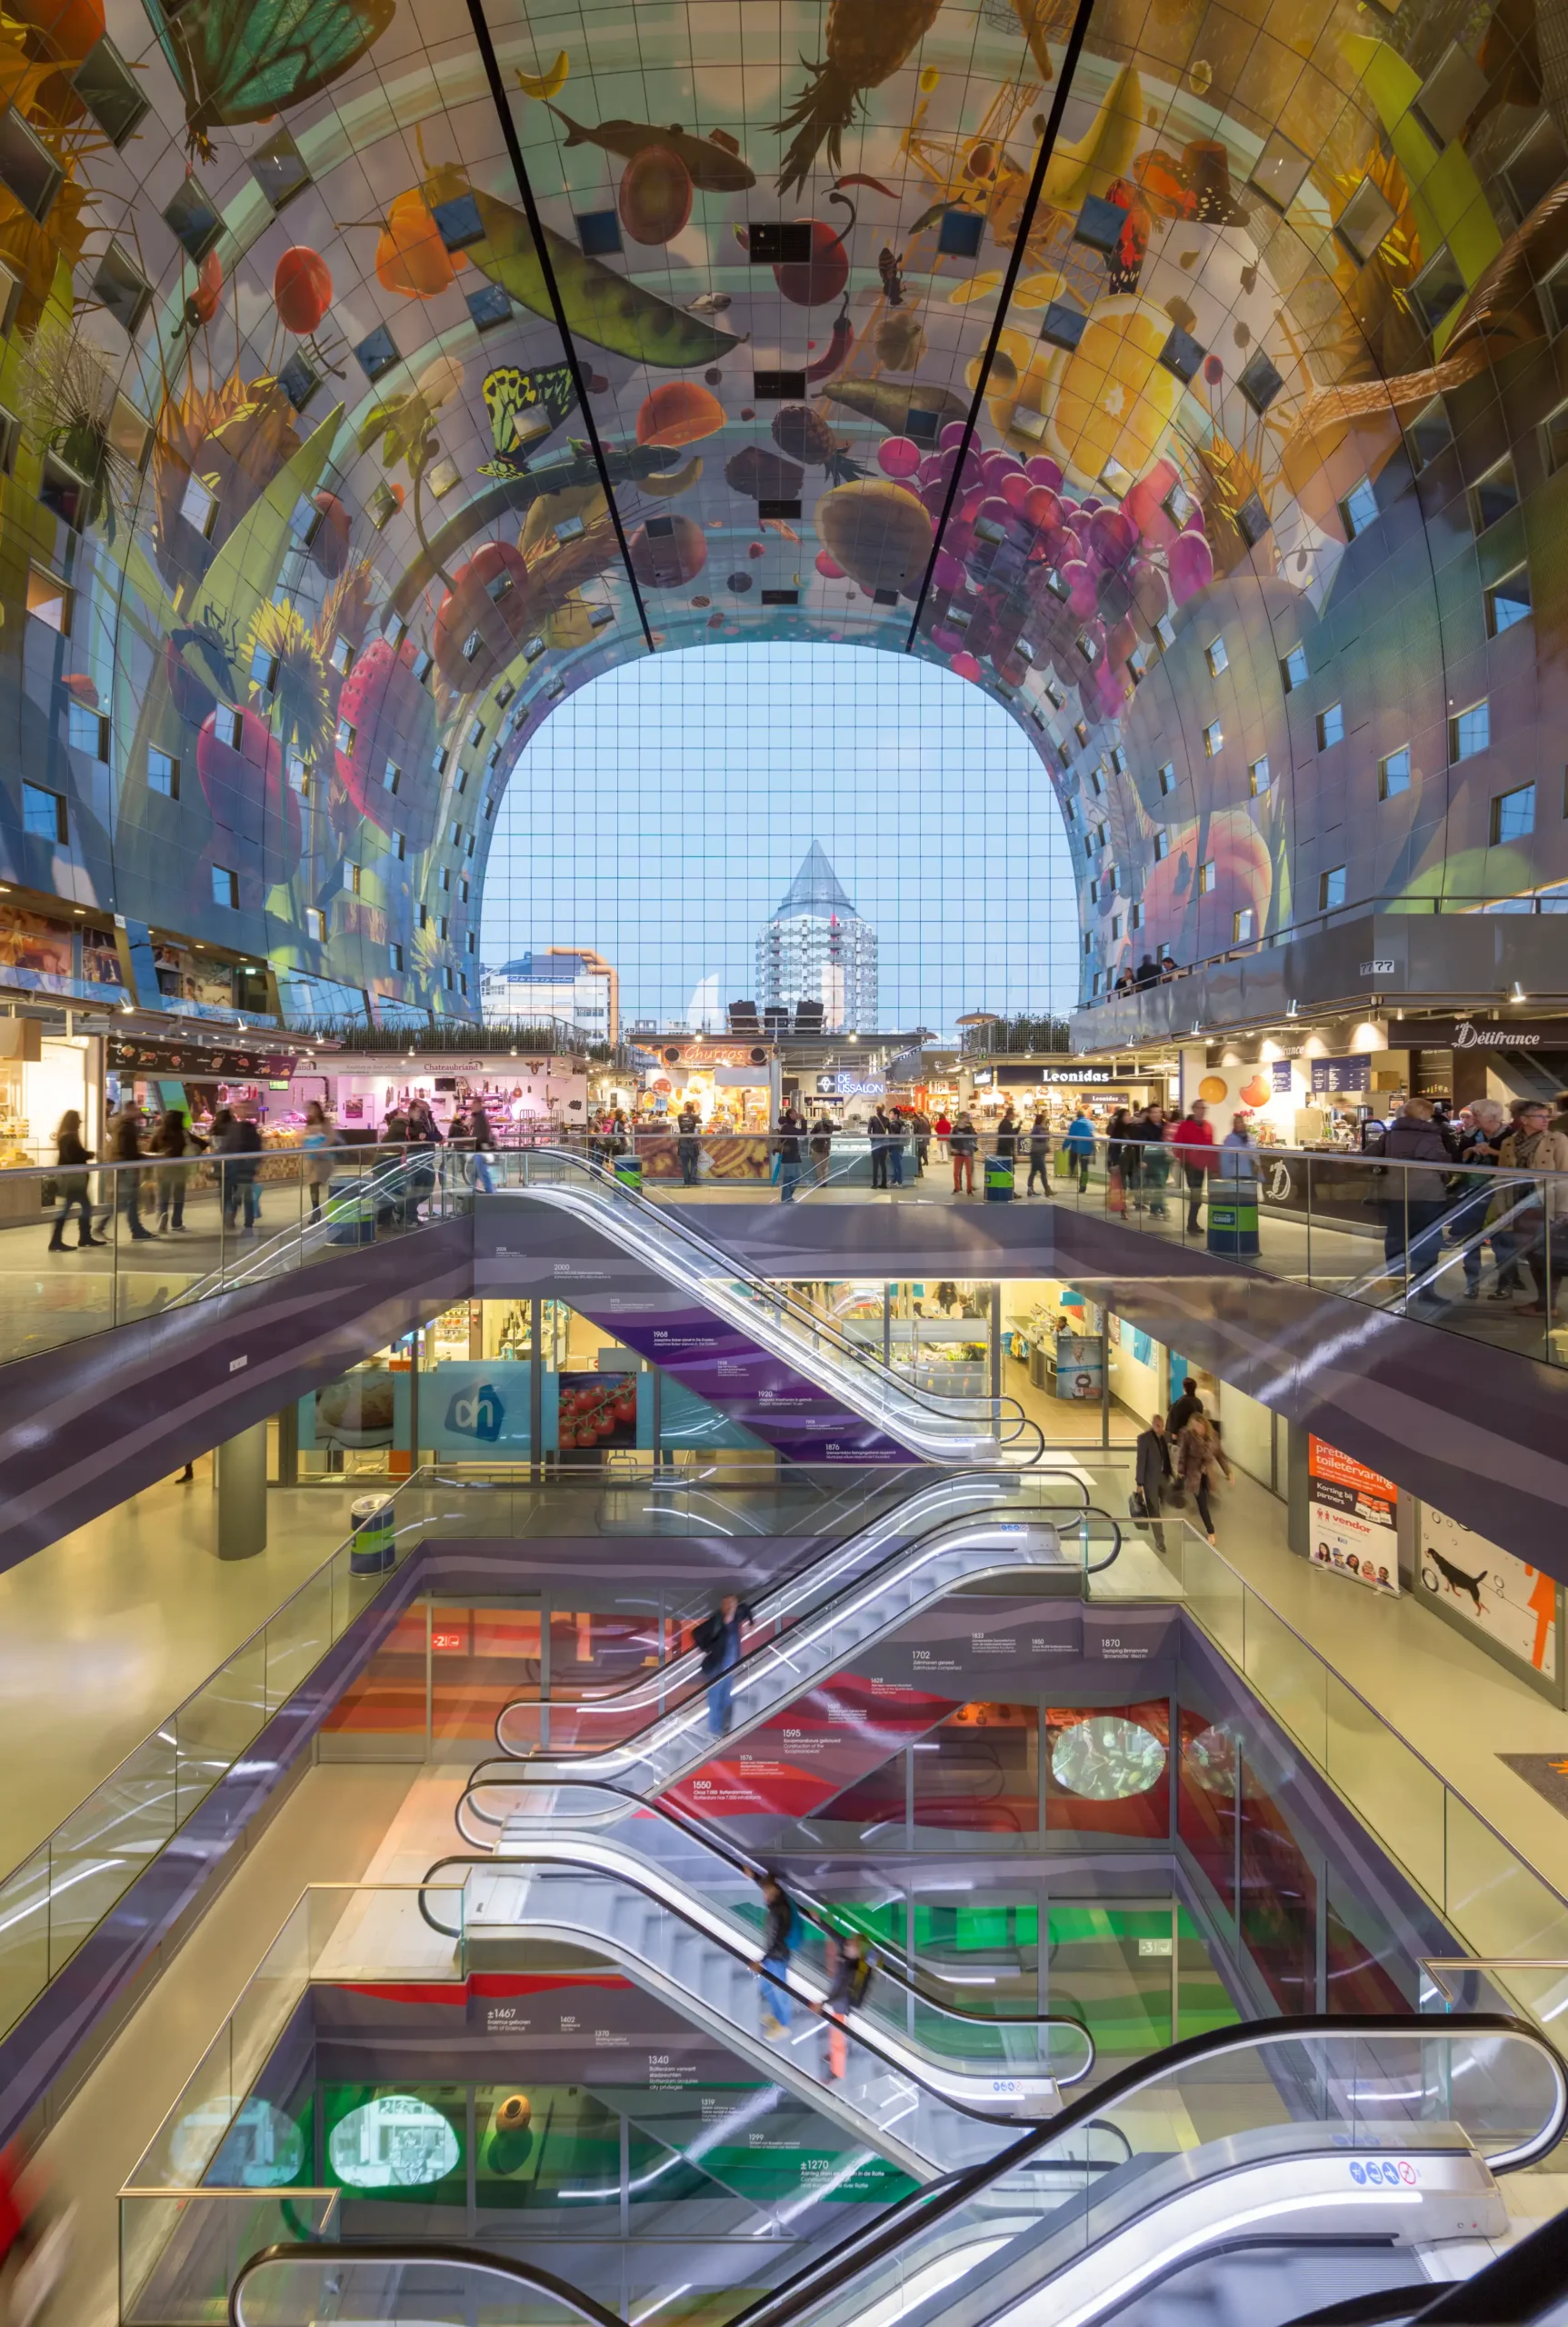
x,y
241,1464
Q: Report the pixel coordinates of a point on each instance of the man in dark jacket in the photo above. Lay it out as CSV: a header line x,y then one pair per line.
x,y
1417,1199
1154,1472
1188,1404
773,1965
877,1129
688,1146
719,1638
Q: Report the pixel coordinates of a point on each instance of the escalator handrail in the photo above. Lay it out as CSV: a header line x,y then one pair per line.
x,y
668,1898
936,2200
888,1965
519,2274
667,1675
661,1215
388,1175
1512,2289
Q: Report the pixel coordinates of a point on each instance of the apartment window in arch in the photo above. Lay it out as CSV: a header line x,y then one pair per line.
x,y
45,815
1508,602
1512,816
1207,876
1470,731
1245,926
1216,657
315,924
225,887
1331,726
1359,509
1213,739
1495,495
1258,777
1393,774
1331,889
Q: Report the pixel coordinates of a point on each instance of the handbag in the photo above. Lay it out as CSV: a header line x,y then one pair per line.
x,y
1137,1504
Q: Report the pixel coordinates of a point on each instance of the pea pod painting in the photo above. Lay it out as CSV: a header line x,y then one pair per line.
x,y
605,308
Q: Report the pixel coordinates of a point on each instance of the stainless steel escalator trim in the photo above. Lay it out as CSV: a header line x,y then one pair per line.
x,y
582,1854
526,2275
685,1719
583,1197
1517,2274
889,1964
774,1606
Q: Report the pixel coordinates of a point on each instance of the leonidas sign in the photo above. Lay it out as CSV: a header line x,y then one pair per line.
x,y
1491,1035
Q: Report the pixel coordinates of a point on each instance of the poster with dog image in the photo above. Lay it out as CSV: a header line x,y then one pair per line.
x,y
1503,1597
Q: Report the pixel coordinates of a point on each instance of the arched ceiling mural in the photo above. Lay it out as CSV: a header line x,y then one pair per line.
x,y
375,373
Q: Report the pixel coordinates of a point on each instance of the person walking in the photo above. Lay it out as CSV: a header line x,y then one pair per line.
x,y
895,1129
1193,1140
71,1160
1154,1157
320,1139
1039,1152
821,1150
238,1144
424,1139
944,1128
1199,1463
1541,1224
773,1965
483,1144
1116,1148
1153,1473
961,1142
688,1143
1079,1145
1477,1142
1418,1198
876,1132
1183,1409
126,1150
1007,1135
849,1977
719,1637
790,1152
172,1140
1238,1162
920,1130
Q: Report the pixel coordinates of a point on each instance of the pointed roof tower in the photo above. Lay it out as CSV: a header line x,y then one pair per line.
x,y
816,887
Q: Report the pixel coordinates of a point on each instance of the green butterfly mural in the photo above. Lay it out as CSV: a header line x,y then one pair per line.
x,y
523,407
244,60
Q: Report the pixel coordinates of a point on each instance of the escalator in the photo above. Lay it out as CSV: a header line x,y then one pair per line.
x,y
824,1364
959,1531
1355,2158
922,2080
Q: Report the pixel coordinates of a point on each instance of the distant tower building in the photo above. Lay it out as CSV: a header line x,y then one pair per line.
x,y
816,948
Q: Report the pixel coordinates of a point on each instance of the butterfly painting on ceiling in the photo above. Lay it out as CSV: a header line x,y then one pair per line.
x,y
246,60
523,407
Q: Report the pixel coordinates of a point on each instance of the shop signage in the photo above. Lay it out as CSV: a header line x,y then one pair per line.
x,y
1335,1075
1280,1076
197,1061
850,1086
1017,1077
1381,969
1352,1513
1492,1034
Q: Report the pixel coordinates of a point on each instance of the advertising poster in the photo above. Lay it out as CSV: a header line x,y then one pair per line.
x,y
1350,1512
1079,1365
1512,1603
472,1407
597,1412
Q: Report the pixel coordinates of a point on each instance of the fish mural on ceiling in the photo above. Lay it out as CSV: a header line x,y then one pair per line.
x,y
347,437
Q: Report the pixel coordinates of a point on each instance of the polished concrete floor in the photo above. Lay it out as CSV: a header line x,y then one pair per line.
x,y
105,1633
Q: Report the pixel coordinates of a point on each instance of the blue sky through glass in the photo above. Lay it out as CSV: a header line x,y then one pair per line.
x,y
661,813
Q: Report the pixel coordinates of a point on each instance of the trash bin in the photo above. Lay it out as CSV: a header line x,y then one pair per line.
x,y
350,1206
628,1171
999,1179
1234,1223
372,1550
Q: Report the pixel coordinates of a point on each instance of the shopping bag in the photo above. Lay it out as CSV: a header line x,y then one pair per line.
x,y
1064,1164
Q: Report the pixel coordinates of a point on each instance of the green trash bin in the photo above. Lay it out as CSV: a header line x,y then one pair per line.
x,y
999,1179
373,1549
628,1171
1234,1223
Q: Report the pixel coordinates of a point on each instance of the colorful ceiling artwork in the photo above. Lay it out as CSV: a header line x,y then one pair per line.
x,y
1188,376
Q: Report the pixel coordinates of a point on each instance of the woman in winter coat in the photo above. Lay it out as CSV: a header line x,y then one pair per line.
x,y
1200,1462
